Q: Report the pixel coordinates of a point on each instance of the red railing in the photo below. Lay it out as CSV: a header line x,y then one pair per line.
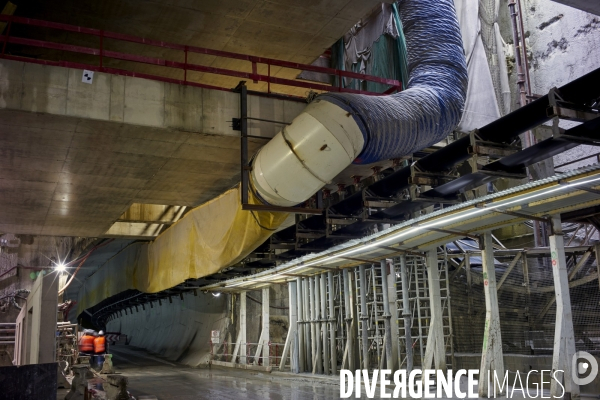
x,y
103,54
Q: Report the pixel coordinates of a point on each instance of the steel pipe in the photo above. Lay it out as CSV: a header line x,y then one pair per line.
x,y
364,316
300,328
332,344
349,318
406,314
324,318
386,316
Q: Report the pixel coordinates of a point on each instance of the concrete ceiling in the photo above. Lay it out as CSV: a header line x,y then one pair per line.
x,y
297,31
75,177
71,166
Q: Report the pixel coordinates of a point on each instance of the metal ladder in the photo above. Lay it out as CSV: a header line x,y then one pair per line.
x,y
420,309
374,312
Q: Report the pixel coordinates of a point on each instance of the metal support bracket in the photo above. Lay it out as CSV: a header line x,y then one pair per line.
x,y
420,177
493,150
241,124
479,148
559,108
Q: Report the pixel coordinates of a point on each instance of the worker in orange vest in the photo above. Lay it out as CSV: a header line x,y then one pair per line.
x,y
86,343
100,343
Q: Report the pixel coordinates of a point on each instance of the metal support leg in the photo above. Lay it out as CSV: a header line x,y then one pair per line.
x,y
436,349
491,353
266,325
324,333
307,324
393,304
564,337
406,314
313,336
332,346
597,253
263,341
300,327
364,316
291,342
243,340
349,354
318,359
389,358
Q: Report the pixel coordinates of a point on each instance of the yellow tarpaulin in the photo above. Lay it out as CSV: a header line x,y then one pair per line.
x,y
207,239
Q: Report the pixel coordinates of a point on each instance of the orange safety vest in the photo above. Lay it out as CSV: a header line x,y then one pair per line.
x,y
99,344
86,344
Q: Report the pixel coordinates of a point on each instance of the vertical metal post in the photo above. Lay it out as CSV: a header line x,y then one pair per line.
x,y
324,333
406,314
307,324
393,304
313,328
435,349
449,308
364,316
389,358
350,356
375,321
266,326
597,253
469,283
244,140
418,304
491,353
243,341
564,337
300,322
318,361
293,307
266,337
332,346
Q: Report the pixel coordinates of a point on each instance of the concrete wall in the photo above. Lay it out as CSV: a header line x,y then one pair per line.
x,y
278,314
563,44
35,336
60,91
32,251
178,331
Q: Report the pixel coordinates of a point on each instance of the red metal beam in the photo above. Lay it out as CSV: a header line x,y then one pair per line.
x,y
394,84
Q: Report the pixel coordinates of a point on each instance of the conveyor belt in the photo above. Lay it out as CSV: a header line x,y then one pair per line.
x,y
583,92
562,194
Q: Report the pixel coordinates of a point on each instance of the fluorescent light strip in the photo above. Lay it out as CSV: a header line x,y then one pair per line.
x,y
415,229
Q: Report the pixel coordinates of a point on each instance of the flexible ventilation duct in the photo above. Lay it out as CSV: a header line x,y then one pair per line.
x,y
331,133
338,129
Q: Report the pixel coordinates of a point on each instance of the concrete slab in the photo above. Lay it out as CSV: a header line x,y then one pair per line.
x,y
89,151
277,29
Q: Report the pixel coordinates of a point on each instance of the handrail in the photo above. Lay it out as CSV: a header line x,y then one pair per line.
x,y
5,39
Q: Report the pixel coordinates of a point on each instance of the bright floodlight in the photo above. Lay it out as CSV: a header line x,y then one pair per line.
x,y
61,267
216,294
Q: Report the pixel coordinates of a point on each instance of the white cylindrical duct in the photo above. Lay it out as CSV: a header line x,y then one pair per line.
x,y
319,144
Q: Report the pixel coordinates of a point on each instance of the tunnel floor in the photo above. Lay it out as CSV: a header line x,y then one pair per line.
x,y
157,378
150,375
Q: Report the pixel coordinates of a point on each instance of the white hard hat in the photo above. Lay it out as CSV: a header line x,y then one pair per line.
x,y
101,333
